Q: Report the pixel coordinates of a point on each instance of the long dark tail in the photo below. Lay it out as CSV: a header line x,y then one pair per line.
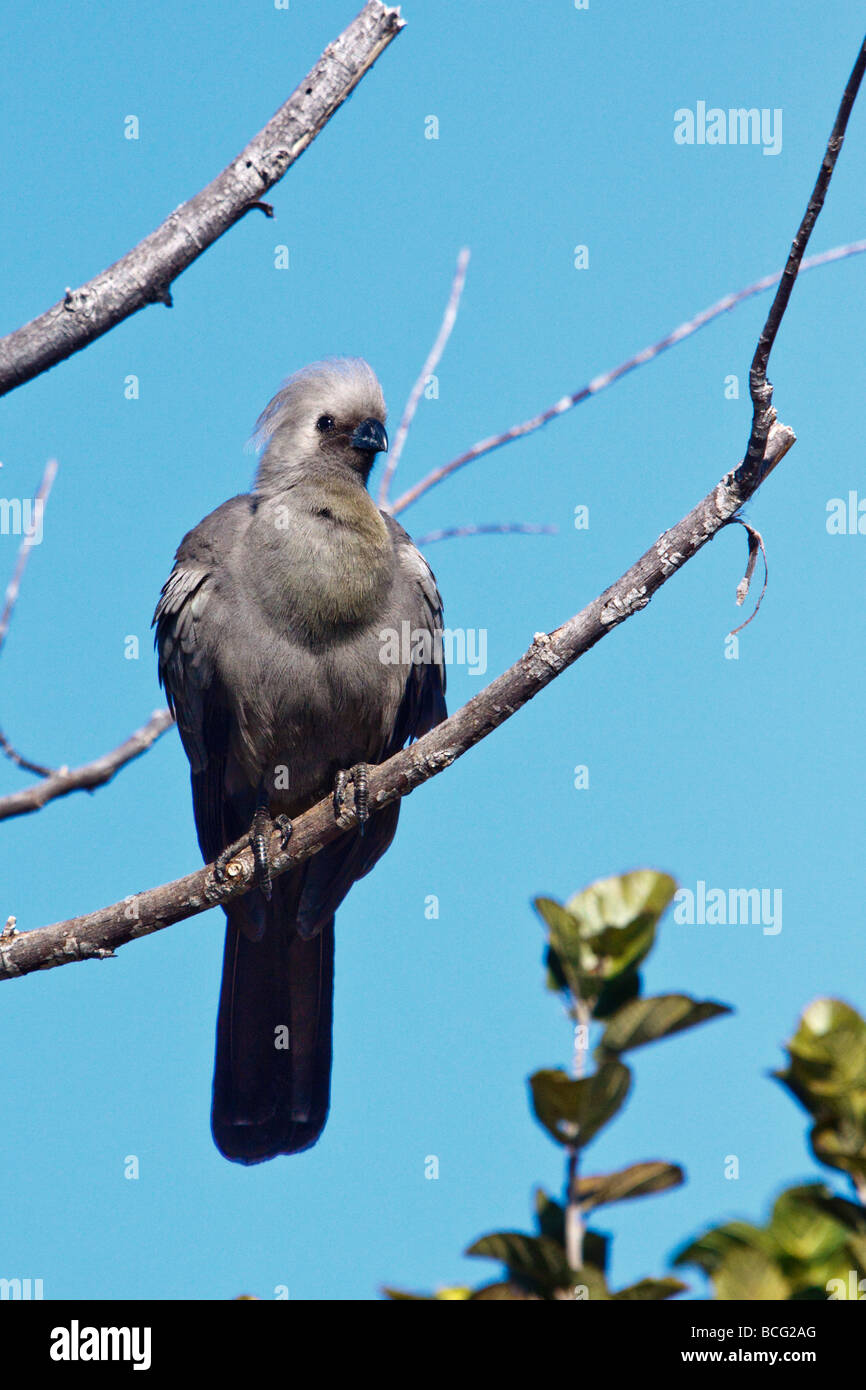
x,y
272,1075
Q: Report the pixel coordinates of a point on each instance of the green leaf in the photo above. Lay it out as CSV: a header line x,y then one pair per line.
x,y
805,1245
710,1249
640,1180
537,1259
555,916
841,1144
564,955
616,949
605,930
801,1230
646,1020
848,1214
652,1289
838,1267
812,1238
856,1245
621,901
827,1061
572,1111
749,1276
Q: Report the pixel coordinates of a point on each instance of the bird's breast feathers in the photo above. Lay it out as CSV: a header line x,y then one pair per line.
x,y
328,558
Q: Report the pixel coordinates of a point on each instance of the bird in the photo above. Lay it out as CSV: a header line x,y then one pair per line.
x,y
275,646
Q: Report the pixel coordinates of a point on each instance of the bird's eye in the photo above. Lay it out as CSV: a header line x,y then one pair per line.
x,y
325,423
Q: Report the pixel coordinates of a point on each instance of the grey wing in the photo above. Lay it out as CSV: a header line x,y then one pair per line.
x,y
192,685
423,705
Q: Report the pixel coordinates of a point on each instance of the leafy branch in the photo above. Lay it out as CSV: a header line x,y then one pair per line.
x,y
596,944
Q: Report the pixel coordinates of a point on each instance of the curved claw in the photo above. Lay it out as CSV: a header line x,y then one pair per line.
x,y
259,840
357,775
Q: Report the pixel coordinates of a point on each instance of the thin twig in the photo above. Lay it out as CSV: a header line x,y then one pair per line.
x,y
599,383
492,528
14,585
448,320
12,591
24,763
760,389
89,775
143,276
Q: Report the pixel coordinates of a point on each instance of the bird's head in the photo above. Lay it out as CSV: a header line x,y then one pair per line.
x,y
327,421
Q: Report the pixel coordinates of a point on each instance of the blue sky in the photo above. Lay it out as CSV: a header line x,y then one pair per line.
x,y
555,130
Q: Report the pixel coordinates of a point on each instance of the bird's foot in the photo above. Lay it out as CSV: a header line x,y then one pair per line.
x,y
357,775
258,840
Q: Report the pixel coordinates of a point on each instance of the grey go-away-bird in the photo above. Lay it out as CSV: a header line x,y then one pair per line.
x,y
275,633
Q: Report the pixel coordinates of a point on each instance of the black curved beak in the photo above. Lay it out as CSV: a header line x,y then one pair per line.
x,y
371,437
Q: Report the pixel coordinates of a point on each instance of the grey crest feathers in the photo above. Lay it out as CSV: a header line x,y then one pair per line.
x,y
345,389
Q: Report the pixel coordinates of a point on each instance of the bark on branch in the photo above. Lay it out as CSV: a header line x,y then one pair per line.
x,y
89,775
145,274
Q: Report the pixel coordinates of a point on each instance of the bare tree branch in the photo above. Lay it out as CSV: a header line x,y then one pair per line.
x,y
100,933
760,389
89,775
449,318
599,383
61,781
24,763
144,275
13,588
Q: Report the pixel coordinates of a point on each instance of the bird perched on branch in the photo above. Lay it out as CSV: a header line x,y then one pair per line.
x,y
272,635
